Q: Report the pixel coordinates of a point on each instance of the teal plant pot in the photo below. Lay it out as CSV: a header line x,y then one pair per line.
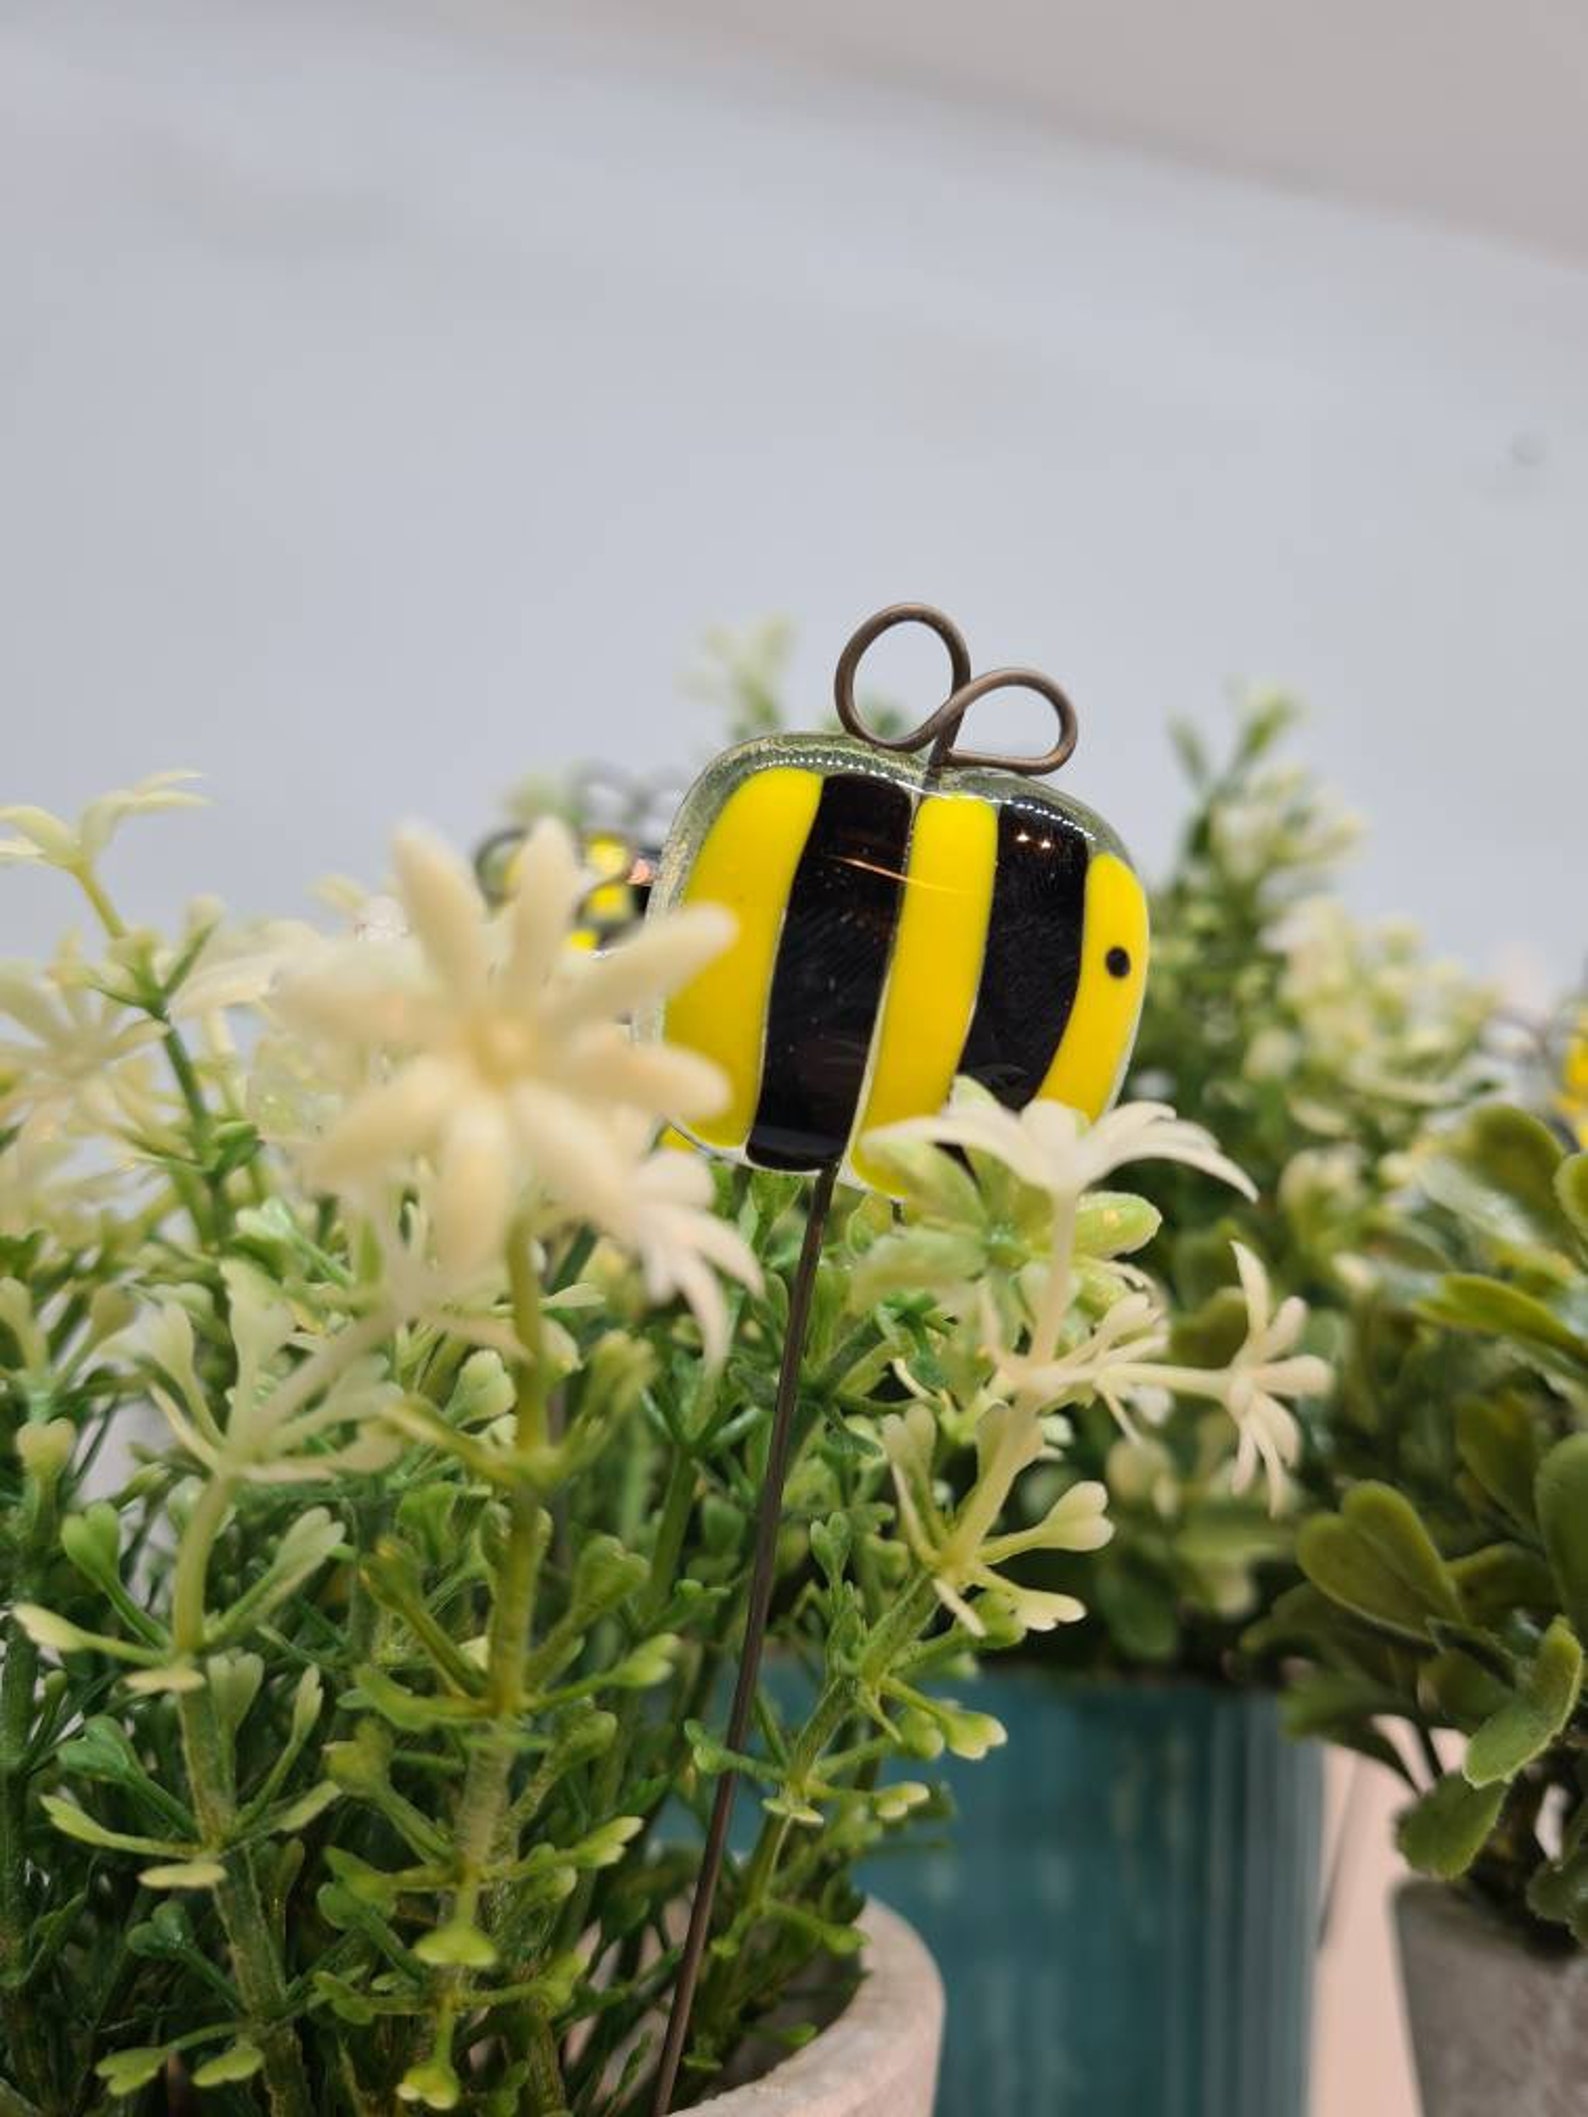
x,y
1126,1911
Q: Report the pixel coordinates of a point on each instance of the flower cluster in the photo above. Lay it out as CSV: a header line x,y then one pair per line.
x,y
1061,1337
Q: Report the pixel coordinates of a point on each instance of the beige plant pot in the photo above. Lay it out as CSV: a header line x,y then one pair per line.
x,y
1498,2031
879,2058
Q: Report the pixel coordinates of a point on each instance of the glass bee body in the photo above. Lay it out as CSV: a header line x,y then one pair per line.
x,y
622,874
897,928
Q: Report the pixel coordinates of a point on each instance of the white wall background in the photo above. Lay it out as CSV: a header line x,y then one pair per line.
x,y
389,393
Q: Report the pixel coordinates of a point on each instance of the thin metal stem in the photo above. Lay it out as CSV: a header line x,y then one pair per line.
x,y
768,1522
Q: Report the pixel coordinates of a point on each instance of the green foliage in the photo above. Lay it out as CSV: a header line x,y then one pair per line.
x,y
257,1863
1447,1611
370,1591
1315,1049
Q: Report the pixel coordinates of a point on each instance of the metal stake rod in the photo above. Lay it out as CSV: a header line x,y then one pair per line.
x,y
768,1522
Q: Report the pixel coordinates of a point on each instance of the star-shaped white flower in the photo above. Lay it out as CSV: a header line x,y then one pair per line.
x,y
53,842
1054,1149
504,1061
63,1074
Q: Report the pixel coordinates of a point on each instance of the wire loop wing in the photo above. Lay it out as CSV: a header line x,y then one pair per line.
x,y
938,734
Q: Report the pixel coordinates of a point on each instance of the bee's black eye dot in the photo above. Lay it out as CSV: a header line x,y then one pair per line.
x,y
1118,962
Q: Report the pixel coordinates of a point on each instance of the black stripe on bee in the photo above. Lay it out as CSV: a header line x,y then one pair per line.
x,y
1032,965
832,963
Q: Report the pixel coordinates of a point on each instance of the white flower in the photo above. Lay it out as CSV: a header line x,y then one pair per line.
x,y
284,1425
1112,1363
960,1552
54,1185
1266,1369
63,1077
512,1073
1054,1149
76,846
664,1216
1118,1363
241,966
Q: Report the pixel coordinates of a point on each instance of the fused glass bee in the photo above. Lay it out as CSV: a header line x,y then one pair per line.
x,y
901,921
620,824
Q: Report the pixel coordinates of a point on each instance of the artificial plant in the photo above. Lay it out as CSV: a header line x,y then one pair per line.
x,y
1442,1623
383,1413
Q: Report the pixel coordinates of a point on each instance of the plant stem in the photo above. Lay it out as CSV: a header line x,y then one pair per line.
x,y
256,1965
26,2042
483,1803
886,1645
212,1225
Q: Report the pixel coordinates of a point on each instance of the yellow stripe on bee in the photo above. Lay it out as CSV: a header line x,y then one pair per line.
x,y
610,902
1090,1060
606,853
937,965
746,862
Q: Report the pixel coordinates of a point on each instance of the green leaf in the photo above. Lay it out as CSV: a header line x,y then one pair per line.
x,y
239,2061
1491,1309
434,2085
1561,1496
1499,1173
299,1814
165,1933
1114,1224
1500,1580
58,1635
1323,1700
646,1665
1558,1891
969,1734
1571,1188
124,2072
458,1946
1497,1441
346,2002
830,1541
410,1710
72,1822
174,1676
1443,1833
1526,1725
92,1541
184,1874
603,1846
604,1576
1137,1603
100,1750
234,1681
1376,1558
313,1537
1461,1691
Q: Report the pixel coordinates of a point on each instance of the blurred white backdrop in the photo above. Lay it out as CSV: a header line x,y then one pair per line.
x,y
391,392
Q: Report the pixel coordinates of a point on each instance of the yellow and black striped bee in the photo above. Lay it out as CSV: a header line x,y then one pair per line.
x,y
619,823
623,874
897,928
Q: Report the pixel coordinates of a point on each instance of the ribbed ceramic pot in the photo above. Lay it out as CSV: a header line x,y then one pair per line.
x,y
878,2058
1497,2030
1126,1915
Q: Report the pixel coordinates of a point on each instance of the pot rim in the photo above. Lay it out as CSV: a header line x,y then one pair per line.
x,y
854,2064
1421,1902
